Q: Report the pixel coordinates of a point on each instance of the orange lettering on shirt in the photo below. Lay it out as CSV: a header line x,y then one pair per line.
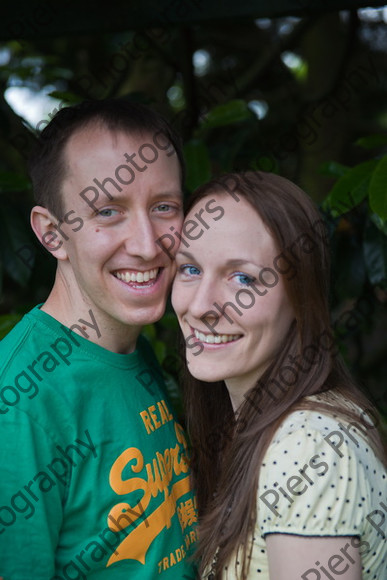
x,y
154,420
159,474
152,413
147,422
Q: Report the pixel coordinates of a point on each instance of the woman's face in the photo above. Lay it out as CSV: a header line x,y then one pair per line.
x,y
233,313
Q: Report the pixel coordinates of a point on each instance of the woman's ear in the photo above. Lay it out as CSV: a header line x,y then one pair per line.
x,y
46,230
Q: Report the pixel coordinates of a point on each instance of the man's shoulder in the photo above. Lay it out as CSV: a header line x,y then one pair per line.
x,y
26,342
18,334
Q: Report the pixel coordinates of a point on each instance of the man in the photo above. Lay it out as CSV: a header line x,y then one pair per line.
x,y
95,481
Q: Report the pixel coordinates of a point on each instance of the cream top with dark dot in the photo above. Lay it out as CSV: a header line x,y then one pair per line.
x,y
321,479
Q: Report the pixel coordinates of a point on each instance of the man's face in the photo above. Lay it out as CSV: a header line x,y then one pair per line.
x,y
113,264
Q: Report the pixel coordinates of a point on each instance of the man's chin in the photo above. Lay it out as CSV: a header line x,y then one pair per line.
x,y
146,316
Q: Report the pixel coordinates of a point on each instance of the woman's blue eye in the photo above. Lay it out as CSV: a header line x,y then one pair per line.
x,y
190,270
245,279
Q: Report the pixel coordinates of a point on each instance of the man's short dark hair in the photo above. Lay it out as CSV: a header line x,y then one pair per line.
x,y
47,166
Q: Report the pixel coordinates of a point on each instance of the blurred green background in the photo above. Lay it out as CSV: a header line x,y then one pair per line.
x,y
298,88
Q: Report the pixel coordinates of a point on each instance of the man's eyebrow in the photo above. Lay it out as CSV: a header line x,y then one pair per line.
x,y
178,194
170,193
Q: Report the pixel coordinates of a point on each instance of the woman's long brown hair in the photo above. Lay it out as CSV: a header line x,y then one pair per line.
x,y
227,449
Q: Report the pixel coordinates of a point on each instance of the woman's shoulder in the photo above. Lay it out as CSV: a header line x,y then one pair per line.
x,y
328,433
329,421
309,419
319,476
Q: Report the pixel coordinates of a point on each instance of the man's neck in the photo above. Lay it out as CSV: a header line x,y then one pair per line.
x,y
75,313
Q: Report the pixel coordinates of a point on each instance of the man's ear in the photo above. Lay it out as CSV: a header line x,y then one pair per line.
x,y
46,230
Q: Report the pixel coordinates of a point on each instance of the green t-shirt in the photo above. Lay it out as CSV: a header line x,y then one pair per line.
x,y
95,482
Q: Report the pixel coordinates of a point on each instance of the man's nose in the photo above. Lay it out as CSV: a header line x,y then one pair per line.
x,y
141,239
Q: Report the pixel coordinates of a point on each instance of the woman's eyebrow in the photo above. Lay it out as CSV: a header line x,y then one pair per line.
x,y
231,262
237,262
186,254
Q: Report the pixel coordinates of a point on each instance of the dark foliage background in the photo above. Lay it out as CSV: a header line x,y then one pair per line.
x,y
305,97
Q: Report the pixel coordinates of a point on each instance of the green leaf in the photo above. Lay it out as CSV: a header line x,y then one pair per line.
x,y
169,321
379,222
66,96
13,182
265,163
350,189
227,114
198,163
149,331
372,141
375,254
333,169
7,322
160,350
378,189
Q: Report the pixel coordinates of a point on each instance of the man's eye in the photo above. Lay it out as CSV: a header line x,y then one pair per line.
x,y
244,279
108,212
164,207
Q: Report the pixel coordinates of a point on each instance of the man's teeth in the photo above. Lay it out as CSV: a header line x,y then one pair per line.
x,y
137,276
215,338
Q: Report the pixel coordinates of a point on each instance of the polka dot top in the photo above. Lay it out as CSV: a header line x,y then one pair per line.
x,y
319,477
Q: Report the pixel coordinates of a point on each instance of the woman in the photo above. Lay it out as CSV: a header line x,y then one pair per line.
x,y
287,454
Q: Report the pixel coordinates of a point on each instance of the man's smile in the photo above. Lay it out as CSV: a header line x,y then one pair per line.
x,y
136,275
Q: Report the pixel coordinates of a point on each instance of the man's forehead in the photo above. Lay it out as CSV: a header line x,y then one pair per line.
x,y
96,136
105,164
